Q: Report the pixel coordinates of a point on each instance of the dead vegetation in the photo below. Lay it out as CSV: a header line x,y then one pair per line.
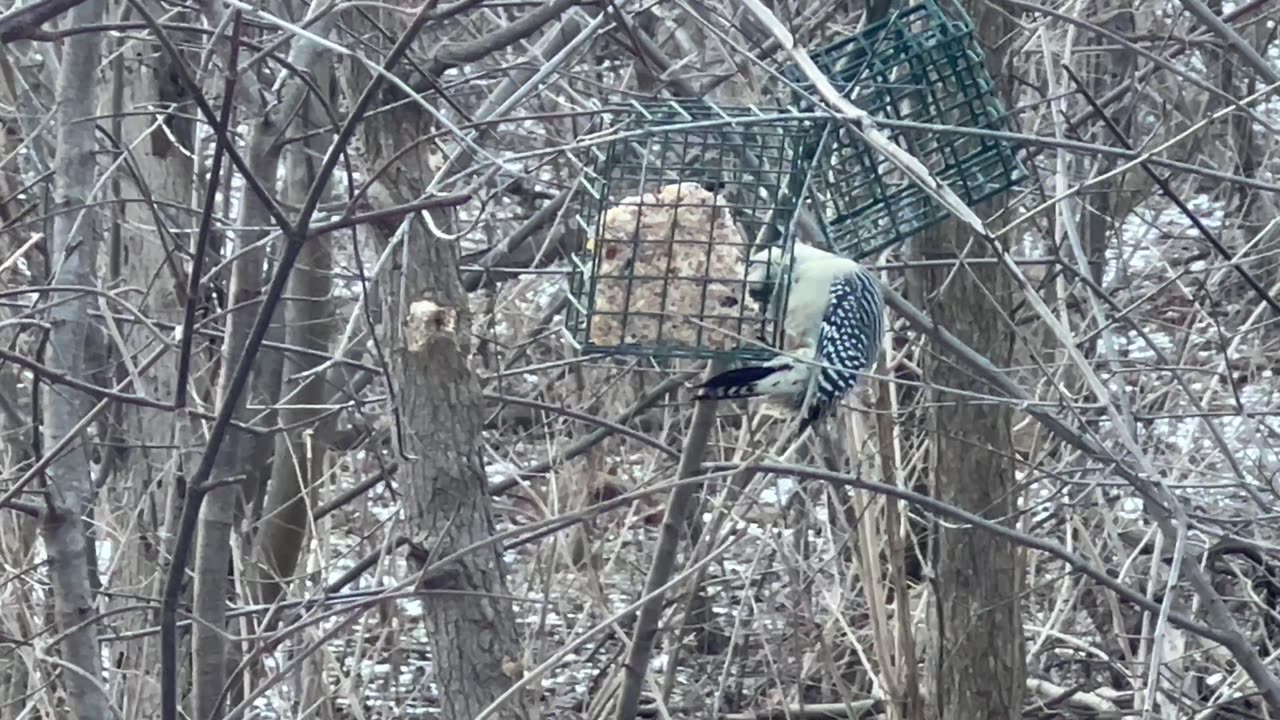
x,y
1141,380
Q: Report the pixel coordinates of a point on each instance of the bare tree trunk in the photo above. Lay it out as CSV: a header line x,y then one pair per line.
x,y
473,629
265,146
244,459
218,513
1105,70
141,459
73,252
979,662
978,659
472,624
299,454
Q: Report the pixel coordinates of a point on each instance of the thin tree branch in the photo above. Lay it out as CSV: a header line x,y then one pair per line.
x,y
1217,26
1173,197
450,55
664,555
24,23
595,437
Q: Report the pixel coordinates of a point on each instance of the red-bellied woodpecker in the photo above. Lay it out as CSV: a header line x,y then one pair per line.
x,y
834,318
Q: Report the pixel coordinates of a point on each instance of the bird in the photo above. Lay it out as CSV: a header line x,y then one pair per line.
x,y
833,322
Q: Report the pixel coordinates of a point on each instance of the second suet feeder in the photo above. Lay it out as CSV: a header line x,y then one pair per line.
x,y
921,65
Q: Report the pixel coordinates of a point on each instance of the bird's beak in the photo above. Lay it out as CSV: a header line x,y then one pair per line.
x,y
761,292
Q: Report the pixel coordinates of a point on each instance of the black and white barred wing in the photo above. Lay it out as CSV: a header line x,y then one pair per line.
x,y
849,339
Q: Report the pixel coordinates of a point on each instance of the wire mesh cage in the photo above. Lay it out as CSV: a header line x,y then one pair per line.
x,y
919,65
678,197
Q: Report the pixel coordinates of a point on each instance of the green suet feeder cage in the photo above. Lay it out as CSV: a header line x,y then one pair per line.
x,y
677,198
920,65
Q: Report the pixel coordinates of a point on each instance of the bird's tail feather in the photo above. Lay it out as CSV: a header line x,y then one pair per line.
x,y
782,375
743,382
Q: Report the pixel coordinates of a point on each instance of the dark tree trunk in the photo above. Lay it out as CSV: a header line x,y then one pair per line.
x,y
470,623
978,659
468,617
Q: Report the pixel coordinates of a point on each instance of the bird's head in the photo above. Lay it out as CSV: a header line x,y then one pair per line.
x,y
769,265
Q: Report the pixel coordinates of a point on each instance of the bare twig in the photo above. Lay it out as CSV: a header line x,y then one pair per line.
x,y
1174,198
664,556
596,436
23,23
1219,27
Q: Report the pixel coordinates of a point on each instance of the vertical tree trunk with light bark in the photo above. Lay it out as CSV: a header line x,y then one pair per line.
x,y
73,252
470,621
299,453
142,461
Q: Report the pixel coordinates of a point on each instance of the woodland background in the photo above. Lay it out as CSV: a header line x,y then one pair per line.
x,y
245,496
